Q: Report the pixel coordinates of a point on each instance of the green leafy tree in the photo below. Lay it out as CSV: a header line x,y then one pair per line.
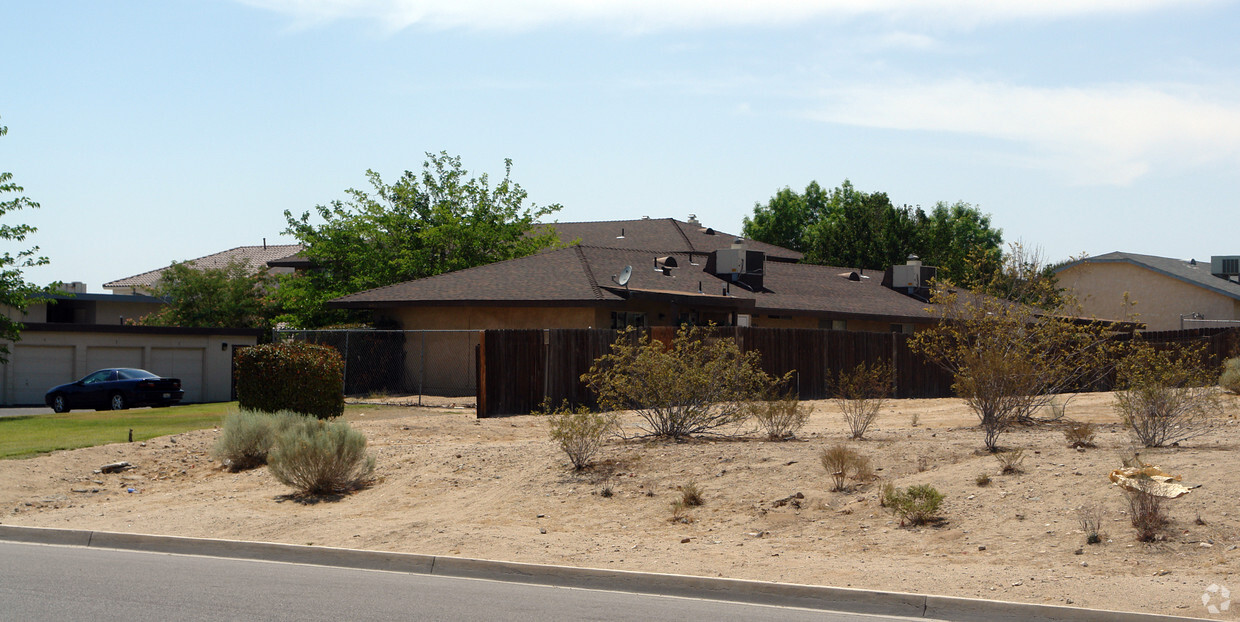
x,y
425,224
784,220
233,296
845,226
959,241
15,292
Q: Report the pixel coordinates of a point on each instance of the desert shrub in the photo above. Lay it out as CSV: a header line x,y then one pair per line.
x,y
982,479
1146,513
1080,434
916,505
1089,517
860,393
780,413
1010,460
580,433
247,436
699,384
691,495
292,375
1012,342
1230,378
843,463
1165,396
321,457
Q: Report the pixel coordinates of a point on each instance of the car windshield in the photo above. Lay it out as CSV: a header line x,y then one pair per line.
x,y
102,375
136,374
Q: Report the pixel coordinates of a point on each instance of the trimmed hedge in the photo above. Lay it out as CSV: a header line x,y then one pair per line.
x,y
296,376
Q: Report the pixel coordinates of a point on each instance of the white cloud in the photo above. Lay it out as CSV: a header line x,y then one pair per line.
x,y
1104,134
641,15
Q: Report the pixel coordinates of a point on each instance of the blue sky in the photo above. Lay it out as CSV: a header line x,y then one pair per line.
x,y
153,132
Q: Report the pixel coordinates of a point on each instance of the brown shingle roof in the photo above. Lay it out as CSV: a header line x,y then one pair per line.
x,y
660,235
254,256
582,275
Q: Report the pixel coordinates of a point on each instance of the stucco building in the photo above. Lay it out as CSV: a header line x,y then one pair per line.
x,y
1169,294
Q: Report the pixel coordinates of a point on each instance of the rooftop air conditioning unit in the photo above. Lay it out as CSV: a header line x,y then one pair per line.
x,y
1225,267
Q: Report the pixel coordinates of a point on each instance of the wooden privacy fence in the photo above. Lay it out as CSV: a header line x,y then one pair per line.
x,y
518,369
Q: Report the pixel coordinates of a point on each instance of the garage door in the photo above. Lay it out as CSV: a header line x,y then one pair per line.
x,y
101,357
183,363
37,369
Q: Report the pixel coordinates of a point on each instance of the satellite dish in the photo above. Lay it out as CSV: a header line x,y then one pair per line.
x,y
625,275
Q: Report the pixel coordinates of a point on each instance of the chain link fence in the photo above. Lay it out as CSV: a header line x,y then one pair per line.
x,y
401,363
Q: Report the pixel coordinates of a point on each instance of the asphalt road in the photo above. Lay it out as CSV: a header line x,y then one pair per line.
x,y
42,582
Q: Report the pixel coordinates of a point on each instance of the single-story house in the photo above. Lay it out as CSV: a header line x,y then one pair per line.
x,y
1169,294
264,257
651,272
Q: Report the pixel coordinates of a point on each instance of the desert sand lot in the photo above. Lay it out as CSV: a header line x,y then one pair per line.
x,y
449,484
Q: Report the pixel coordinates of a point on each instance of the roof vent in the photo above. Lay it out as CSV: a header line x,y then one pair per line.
x,y
645,218
694,221
665,265
621,236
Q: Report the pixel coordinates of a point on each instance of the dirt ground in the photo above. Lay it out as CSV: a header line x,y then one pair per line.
x,y
449,484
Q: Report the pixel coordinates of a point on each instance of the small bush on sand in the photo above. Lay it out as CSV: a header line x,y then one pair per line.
x,y
1146,513
842,464
580,433
860,393
320,457
916,505
691,495
247,436
1090,517
780,413
1010,460
982,479
1080,434
1166,396
697,385
1230,379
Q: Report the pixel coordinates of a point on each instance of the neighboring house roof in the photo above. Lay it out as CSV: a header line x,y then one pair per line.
x,y
256,257
660,235
1195,273
582,275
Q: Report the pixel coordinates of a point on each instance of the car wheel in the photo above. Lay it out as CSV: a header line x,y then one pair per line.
x,y
117,402
59,404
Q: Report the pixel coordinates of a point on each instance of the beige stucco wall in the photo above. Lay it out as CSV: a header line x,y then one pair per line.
x,y
43,359
1160,300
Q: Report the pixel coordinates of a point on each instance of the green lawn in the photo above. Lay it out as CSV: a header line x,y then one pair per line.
x,y
21,437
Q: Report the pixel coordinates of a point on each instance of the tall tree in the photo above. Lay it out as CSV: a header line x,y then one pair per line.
x,y
845,226
233,296
15,292
424,224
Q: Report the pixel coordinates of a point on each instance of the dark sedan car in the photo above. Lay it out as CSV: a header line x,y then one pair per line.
x,y
115,389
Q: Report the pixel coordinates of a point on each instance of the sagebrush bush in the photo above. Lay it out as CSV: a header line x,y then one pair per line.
x,y
842,464
916,505
780,413
1080,434
321,457
1146,513
1090,517
1010,460
1166,396
247,437
860,393
691,495
291,375
699,384
580,433
1230,378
